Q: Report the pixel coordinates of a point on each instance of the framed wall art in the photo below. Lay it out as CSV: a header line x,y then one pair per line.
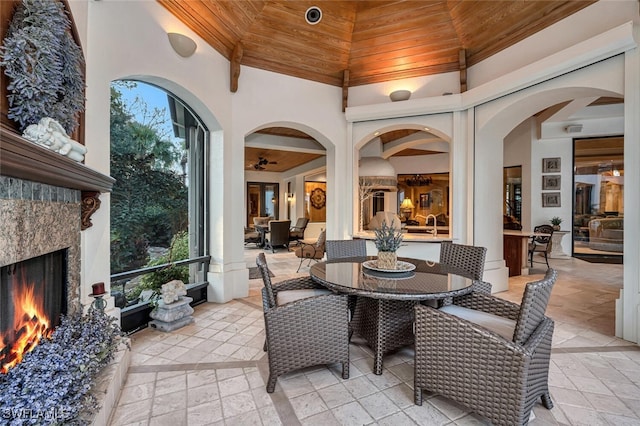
x,y
551,199
551,182
551,165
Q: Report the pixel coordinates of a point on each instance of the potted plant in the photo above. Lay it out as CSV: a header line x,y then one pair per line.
x,y
556,221
387,242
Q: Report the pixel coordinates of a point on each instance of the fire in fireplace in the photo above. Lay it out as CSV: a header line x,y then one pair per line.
x,y
33,295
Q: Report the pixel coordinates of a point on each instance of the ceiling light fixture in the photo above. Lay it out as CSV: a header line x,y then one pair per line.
x,y
400,95
183,45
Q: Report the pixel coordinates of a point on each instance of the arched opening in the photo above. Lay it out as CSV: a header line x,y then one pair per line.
x,y
159,229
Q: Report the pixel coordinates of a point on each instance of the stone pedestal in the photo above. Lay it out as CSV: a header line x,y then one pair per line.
x,y
556,245
169,317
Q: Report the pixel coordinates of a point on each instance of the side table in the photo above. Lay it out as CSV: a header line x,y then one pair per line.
x,y
556,245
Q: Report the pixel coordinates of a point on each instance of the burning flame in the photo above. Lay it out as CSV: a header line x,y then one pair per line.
x,y
30,325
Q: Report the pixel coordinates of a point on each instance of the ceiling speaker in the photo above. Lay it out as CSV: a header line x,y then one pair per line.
x,y
313,15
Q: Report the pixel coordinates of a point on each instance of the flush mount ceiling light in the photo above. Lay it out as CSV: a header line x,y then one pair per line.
x,y
400,95
313,15
183,45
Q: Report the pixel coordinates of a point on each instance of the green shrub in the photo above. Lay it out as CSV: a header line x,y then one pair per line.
x,y
179,250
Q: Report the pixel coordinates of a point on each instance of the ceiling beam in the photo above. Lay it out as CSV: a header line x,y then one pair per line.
x,y
462,60
234,65
345,89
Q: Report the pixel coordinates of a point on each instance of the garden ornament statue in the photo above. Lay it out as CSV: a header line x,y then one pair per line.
x,y
172,291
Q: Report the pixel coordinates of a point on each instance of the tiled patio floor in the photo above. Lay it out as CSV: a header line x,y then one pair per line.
x,y
213,372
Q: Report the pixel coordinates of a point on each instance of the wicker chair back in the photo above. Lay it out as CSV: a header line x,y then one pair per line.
x,y
533,306
261,262
341,249
469,258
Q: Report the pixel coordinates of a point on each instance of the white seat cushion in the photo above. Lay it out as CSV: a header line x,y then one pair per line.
x,y
500,325
287,296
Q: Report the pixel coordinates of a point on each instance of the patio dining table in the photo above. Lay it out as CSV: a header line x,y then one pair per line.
x,y
384,311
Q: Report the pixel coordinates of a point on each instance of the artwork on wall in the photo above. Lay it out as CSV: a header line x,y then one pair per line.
x,y
551,199
425,202
551,182
551,165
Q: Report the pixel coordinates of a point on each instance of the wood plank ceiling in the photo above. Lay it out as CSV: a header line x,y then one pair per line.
x,y
360,42
375,41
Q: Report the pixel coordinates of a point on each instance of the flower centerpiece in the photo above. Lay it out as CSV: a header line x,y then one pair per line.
x,y
556,221
387,242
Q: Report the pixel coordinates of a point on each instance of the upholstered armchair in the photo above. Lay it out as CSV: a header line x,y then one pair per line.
x,y
305,324
278,234
313,251
486,353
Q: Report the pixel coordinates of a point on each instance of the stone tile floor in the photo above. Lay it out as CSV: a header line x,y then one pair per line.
x,y
213,372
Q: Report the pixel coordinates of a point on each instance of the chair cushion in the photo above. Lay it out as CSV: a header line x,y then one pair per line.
x,y
287,296
500,325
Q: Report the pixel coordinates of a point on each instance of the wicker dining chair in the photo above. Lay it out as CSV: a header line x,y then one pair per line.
x,y
347,249
486,353
341,249
468,258
305,325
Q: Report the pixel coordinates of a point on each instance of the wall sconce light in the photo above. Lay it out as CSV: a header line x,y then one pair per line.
x,y
289,197
183,45
400,95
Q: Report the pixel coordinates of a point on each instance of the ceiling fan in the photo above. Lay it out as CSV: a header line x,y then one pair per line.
x,y
263,162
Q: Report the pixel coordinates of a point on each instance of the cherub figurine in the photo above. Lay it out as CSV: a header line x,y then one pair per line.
x,y
50,134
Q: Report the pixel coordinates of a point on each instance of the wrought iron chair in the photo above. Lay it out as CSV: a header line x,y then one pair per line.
x,y
296,233
305,324
486,353
313,251
541,243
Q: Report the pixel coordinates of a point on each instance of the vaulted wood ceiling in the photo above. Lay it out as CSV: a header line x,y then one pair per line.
x,y
361,42
374,41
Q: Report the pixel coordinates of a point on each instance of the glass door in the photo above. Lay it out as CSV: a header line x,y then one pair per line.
x,y
262,200
598,199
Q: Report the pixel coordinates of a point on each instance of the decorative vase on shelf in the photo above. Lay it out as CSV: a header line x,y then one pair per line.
x,y
387,242
556,227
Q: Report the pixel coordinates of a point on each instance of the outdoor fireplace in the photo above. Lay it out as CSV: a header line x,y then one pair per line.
x,y
33,295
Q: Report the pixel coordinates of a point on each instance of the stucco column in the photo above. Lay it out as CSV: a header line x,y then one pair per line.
x,y
487,207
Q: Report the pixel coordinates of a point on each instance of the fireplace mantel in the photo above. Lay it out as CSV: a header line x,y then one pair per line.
x,y
23,159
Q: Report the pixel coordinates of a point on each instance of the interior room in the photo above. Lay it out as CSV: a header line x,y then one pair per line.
x,y
472,123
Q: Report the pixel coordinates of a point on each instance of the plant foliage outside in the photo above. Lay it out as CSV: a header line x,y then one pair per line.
x,y
43,64
179,250
387,239
149,200
52,384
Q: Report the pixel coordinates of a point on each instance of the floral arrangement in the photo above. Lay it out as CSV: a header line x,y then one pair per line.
x,y
387,239
44,65
52,384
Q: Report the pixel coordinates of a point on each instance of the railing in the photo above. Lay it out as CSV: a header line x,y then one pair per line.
x,y
135,316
